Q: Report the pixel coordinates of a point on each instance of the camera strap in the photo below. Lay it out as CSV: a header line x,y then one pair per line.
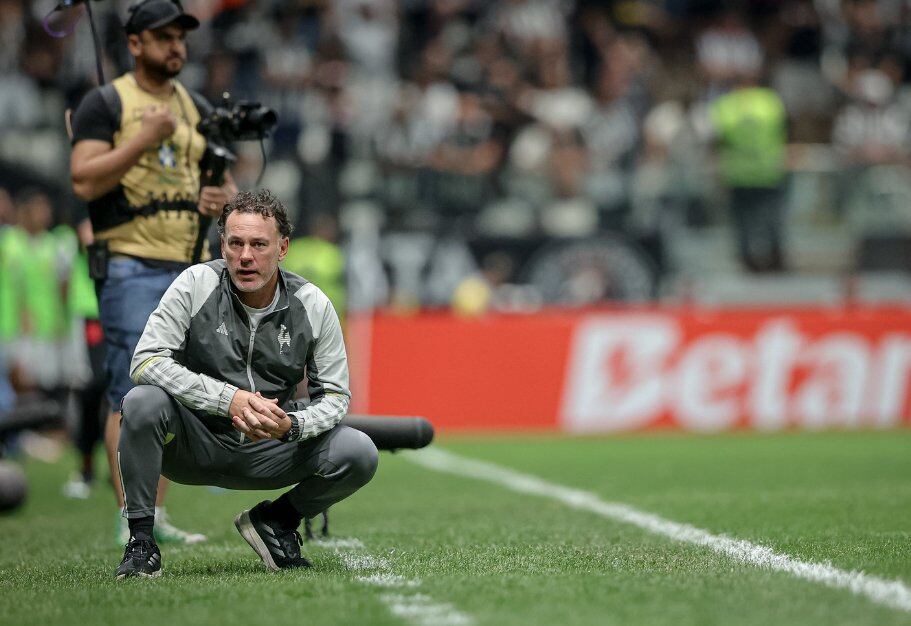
x,y
201,237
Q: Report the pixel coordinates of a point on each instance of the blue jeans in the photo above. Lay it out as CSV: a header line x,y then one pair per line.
x,y
127,298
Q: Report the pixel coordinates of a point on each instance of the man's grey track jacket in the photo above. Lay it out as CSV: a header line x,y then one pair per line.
x,y
198,346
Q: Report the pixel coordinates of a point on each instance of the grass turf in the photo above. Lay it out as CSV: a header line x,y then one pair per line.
x,y
499,557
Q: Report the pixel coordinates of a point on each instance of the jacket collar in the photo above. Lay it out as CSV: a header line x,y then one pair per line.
x,y
238,306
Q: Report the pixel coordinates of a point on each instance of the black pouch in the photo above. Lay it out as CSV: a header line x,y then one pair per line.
x,y
98,260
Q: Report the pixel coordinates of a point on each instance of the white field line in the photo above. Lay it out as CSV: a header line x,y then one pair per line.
x,y
401,597
891,593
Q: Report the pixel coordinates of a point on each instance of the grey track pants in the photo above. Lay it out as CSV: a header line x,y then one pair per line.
x,y
159,435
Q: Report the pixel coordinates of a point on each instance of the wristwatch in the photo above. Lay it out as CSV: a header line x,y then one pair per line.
x,y
293,433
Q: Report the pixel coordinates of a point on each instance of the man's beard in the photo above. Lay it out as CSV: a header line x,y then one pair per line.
x,y
161,71
246,289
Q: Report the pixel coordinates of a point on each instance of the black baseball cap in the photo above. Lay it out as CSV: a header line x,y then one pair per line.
x,y
151,14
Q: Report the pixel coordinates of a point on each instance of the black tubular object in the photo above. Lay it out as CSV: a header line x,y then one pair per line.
x,y
391,432
387,432
95,42
32,415
212,167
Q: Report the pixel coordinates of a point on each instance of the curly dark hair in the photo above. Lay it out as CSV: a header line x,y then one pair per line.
x,y
261,201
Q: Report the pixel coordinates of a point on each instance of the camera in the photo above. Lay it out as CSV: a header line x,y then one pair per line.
x,y
245,121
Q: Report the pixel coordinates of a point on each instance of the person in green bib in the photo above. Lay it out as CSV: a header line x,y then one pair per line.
x,y
319,259
33,320
750,123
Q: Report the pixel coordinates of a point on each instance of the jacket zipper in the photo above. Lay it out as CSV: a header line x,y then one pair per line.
x,y
250,368
250,361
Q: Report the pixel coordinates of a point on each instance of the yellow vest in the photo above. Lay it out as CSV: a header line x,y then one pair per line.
x,y
163,187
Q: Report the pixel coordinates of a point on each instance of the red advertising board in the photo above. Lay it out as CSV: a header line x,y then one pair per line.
x,y
619,370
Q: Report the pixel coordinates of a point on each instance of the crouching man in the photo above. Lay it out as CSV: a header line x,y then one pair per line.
x,y
217,367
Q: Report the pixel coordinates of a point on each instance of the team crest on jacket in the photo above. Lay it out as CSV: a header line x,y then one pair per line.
x,y
284,339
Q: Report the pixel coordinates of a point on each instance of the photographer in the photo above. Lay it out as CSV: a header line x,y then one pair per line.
x,y
136,160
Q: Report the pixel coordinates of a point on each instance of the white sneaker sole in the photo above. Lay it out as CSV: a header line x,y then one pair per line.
x,y
246,530
186,539
140,575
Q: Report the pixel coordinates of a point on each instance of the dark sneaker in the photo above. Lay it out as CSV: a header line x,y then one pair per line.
x,y
141,558
279,548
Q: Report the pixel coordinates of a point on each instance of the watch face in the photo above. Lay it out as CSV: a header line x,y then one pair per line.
x,y
294,432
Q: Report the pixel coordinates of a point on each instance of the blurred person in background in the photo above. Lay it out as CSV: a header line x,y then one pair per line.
x,y
491,289
46,365
612,132
318,258
464,160
570,212
727,51
287,66
671,178
797,76
35,268
524,24
872,127
871,136
136,154
24,71
369,31
750,126
12,33
871,27
87,432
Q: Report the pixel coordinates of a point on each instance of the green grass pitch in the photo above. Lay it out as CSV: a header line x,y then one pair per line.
x,y
421,547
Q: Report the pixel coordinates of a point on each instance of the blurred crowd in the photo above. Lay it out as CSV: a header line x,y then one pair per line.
x,y
535,120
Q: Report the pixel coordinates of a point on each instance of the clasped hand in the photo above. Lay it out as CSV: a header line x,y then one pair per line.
x,y
258,417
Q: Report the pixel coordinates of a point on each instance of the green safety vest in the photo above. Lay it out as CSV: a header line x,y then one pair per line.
x,y
31,296
751,125
323,264
83,302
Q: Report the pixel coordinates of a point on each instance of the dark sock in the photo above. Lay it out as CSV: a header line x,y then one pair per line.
x,y
282,512
141,527
88,475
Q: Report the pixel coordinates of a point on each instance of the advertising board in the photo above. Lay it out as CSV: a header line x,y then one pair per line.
x,y
626,370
